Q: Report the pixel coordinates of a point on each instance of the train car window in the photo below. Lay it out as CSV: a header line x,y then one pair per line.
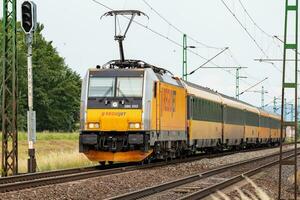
x,y
101,87
129,87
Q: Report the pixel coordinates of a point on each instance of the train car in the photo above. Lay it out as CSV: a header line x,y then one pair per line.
x,y
241,123
264,127
204,118
275,126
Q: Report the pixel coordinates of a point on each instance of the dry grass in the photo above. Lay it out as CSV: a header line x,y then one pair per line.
x,y
53,151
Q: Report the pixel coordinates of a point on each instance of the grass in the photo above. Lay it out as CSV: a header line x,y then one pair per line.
x,y
53,151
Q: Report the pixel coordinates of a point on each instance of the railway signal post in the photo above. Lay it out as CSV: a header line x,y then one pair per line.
x,y
28,25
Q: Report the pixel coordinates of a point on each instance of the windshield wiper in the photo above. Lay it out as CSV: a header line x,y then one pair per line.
x,y
107,92
123,95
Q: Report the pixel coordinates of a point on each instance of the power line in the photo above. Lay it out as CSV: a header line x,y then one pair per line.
x,y
258,27
253,86
171,40
165,37
252,20
249,34
208,61
176,28
105,6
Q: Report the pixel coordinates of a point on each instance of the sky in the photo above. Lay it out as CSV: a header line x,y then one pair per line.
x,y
85,41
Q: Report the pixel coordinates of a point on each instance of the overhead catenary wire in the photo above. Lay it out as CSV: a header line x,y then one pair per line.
x,y
247,74
253,21
170,40
246,30
178,29
208,61
253,86
165,37
277,37
249,34
256,25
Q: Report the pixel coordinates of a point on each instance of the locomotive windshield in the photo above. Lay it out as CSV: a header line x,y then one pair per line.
x,y
116,87
129,87
101,87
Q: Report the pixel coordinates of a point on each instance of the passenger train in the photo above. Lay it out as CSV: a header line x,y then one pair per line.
x,y
132,111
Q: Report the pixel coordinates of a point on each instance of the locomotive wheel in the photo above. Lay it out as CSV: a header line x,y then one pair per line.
x,y
102,163
110,162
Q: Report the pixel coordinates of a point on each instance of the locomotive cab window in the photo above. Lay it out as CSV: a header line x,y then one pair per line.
x,y
129,87
101,87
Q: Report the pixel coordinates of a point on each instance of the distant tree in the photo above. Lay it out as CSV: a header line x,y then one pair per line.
x,y
56,87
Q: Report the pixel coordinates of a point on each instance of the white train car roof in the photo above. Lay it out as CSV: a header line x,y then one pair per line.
x,y
275,116
264,113
269,114
202,92
232,102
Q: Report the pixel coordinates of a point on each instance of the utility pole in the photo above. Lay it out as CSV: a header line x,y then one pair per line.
x,y
185,48
263,92
29,25
274,105
290,50
184,60
237,81
9,91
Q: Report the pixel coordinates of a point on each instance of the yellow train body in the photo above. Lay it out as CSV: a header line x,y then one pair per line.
x,y
168,106
114,120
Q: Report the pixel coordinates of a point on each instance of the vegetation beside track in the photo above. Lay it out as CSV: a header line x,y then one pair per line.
x,y
53,151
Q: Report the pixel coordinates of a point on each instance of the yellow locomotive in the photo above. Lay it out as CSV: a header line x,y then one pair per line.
x,y
132,111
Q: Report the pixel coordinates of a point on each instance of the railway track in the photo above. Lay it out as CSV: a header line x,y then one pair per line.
x,y
201,185
24,181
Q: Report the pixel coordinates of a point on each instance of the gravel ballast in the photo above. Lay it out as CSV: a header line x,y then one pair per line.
x,y
113,185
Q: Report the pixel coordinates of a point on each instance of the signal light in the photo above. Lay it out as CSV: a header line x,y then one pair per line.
x,y
28,16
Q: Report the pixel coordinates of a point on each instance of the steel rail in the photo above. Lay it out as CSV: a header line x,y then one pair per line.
x,y
227,183
179,182
39,175
24,181
47,178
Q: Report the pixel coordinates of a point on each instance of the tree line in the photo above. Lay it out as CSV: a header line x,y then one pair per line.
x,y
56,87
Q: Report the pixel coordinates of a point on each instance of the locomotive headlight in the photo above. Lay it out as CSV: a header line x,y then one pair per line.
x,y
94,125
134,125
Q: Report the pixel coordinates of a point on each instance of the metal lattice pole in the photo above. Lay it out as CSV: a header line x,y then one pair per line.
x,y
274,105
9,92
290,47
184,61
237,83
